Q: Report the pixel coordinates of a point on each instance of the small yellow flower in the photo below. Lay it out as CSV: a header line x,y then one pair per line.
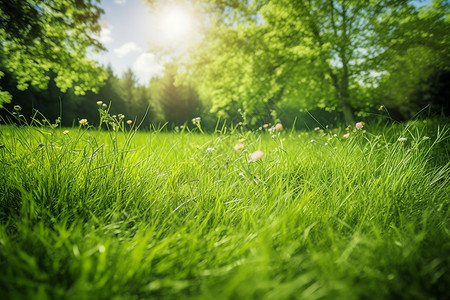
x,y
381,107
256,155
279,126
65,131
239,146
129,122
99,102
83,121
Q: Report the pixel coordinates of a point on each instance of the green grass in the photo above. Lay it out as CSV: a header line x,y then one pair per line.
x,y
132,215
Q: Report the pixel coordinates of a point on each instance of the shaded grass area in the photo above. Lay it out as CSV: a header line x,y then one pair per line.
x,y
127,215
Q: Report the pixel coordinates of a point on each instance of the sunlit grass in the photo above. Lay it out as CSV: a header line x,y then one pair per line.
x,y
120,214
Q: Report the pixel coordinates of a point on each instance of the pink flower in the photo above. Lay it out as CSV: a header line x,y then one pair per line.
x,y
279,126
239,146
346,135
266,125
256,155
360,125
129,122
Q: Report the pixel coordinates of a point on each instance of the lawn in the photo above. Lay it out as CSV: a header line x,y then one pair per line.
x,y
125,214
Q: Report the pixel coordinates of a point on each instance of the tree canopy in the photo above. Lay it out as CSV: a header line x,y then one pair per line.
x,y
331,54
37,37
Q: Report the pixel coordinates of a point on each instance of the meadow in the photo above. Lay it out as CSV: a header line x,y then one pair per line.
x,y
126,214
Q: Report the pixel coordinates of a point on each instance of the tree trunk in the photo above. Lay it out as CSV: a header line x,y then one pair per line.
x,y
348,113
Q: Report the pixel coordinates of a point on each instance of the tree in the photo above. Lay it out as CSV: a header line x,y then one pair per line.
x,y
39,36
416,61
315,53
177,103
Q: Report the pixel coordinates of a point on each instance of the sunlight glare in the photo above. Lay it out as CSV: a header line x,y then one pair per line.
x,y
176,24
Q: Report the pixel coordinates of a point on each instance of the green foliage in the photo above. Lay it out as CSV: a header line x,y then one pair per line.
x,y
39,36
415,58
177,103
333,55
122,215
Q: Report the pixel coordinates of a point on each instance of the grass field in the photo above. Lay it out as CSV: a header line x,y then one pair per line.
x,y
121,214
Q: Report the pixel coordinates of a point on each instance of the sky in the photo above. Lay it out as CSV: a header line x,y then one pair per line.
x,y
127,29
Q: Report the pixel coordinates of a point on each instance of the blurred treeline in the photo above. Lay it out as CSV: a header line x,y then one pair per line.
x,y
164,102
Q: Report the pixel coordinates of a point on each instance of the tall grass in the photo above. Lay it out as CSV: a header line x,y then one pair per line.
x,y
121,214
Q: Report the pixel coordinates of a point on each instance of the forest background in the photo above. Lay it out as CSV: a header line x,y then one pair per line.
x,y
295,62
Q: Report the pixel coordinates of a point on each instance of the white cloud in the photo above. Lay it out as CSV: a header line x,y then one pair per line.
x,y
120,1
105,35
147,66
126,49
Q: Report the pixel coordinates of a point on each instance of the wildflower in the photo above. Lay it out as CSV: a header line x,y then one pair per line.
x,y
360,125
266,125
198,147
99,102
104,106
326,144
83,121
279,126
121,117
256,155
210,149
346,135
312,141
129,122
241,140
239,146
381,107
402,139
317,128
65,131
